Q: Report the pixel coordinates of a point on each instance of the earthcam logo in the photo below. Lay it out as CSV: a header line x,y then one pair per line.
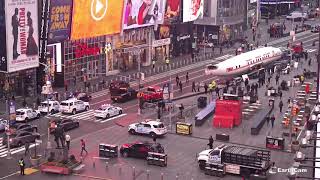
x,y
98,9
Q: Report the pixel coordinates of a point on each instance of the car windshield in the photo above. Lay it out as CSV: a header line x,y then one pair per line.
x,y
64,104
158,126
45,104
151,89
103,108
19,113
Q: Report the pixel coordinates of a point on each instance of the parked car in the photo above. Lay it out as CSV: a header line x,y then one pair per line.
x,y
83,96
140,149
26,114
297,15
121,91
107,111
66,124
20,138
73,106
151,128
152,94
315,28
24,127
54,106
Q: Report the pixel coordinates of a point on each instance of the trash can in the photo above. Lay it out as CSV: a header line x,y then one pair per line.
x,y
202,102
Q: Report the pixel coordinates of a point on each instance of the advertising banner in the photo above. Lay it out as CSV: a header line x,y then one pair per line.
x,y
22,34
192,10
59,20
162,32
3,50
140,13
173,10
92,18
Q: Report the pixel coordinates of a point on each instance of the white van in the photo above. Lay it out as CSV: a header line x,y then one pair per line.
x,y
73,106
54,106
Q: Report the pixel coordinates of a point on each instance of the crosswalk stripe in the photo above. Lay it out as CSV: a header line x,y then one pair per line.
x,y
115,117
16,150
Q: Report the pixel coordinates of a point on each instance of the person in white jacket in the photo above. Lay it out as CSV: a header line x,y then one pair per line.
x,y
68,139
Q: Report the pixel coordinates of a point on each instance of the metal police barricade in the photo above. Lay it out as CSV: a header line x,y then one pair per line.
x,y
108,150
158,159
275,143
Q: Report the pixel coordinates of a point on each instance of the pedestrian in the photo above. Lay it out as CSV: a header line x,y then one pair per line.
x,y
154,139
187,77
177,80
205,88
277,79
272,120
280,94
246,82
153,63
180,86
269,79
217,91
68,139
83,147
210,144
26,147
167,61
309,62
268,120
280,106
22,166
198,87
221,51
302,79
248,88
193,87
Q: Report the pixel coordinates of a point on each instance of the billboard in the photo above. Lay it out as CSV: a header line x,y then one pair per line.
x,y
140,13
3,50
22,34
173,9
162,32
92,18
192,10
59,20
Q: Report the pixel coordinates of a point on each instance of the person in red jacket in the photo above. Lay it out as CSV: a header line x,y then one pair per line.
x,y
83,147
307,89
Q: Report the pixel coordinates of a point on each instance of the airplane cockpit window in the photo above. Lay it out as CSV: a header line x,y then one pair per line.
x,y
212,67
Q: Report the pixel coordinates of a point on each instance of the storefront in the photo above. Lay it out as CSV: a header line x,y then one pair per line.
x,y
160,49
181,41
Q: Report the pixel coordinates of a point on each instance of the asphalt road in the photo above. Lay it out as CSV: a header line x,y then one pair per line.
x,y
89,126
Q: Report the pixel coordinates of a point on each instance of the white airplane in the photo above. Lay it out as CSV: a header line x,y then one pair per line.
x,y
245,62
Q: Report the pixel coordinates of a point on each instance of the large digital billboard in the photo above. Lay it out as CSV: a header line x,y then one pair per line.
x,y
59,20
192,10
140,13
91,18
3,49
22,34
172,13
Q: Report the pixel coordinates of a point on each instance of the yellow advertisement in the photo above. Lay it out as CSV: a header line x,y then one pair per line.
x,y
183,128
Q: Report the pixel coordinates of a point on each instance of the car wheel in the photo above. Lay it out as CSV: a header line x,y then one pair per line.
x,y
152,134
52,111
74,111
125,154
107,116
87,108
120,112
132,131
202,165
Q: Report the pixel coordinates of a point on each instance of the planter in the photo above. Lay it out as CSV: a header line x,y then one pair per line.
x,y
295,146
35,161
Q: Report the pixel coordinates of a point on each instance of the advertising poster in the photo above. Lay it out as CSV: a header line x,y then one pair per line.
x,y
3,50
162,32
192,10
92,18
22,34
172,13
59,20
140,13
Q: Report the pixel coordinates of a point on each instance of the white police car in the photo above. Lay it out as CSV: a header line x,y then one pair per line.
x,y
107,111
73,106
26,114
149,127
54,106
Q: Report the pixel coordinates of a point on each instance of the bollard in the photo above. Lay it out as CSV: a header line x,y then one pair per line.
x,y
134,172
120,170
107,164
94,163
148,174
161,176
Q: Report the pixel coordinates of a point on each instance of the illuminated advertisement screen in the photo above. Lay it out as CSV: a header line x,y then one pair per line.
x,y
192,10
172,13
59,20
22,34
92,18
140,13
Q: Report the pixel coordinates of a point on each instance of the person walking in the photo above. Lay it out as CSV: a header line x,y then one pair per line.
x,y
221,51
68,139
309,62
210,144
198,86
187,77
21,164
153,63
193,87
167,61
217,91
26,147
280,94
277,79
180,86
205,88
280,106
272,120
177,80
83,147
269,79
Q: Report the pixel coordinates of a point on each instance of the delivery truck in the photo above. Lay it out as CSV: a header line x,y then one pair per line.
x,y
237,160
